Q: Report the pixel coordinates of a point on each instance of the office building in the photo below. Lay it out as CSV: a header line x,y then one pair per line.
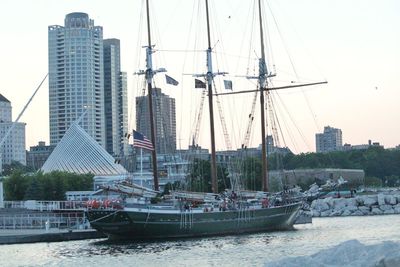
x,y
329,140
76,77
165,123
13,148
115,100
37,155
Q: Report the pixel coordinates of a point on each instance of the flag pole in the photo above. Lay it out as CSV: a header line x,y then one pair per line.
x,y
141,166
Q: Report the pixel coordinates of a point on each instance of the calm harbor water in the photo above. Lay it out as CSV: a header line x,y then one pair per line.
x,y
243,250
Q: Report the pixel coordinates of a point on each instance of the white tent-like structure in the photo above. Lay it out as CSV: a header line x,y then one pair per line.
x,y
78,152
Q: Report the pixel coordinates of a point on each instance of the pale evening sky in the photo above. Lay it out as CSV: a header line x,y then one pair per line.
x,y
353,44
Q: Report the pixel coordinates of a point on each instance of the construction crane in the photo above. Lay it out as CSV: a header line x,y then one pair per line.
x,y
198,120
223,123
246,140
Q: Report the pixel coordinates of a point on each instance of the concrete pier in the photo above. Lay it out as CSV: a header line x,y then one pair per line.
x,y
18,236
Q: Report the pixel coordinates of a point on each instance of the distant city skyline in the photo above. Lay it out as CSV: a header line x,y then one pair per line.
x,y
354,45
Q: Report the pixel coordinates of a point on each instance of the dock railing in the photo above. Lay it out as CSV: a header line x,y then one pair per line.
x,y
46,205
70,220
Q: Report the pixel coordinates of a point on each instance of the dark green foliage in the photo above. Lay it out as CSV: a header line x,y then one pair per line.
x,y
375,161
171,186
373,181
200,177
49,186
34,191
381,166
15,166
16,185
251,173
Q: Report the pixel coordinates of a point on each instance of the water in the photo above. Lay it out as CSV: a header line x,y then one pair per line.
x,y
243,250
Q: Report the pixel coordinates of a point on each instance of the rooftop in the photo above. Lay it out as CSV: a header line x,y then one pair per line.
x,y
3,99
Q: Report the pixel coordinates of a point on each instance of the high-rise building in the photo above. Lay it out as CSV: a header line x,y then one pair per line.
x,y
13,148
115,99
76,77
165,123
329,140
5,109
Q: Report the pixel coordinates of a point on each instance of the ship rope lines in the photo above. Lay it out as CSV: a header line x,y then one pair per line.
x,y
148,216
106,216
186,219
244,215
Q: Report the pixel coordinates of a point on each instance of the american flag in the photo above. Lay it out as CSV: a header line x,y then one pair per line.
x,y
139,140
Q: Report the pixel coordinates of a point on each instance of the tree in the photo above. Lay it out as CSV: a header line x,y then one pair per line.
x,y
15,186
8,169
200,177
34,191
251,173
49,186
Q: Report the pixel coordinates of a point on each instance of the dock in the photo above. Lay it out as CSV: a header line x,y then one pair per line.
x,y
19,236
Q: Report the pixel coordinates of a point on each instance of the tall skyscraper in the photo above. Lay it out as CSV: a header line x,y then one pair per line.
x,y
329,140
13,148
165,123
76,77
115,99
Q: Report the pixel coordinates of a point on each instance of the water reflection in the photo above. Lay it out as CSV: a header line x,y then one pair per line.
x,y
247,250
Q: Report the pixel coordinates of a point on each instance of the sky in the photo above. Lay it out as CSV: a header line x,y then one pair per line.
x,y
353,44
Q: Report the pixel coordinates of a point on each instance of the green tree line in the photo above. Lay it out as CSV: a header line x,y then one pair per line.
x,y
381,167
39,186
375,161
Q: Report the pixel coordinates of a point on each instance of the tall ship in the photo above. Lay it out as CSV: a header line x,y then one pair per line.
x,y
144,215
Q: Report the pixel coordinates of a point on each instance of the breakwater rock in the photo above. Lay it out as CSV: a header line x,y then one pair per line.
x,y
378,204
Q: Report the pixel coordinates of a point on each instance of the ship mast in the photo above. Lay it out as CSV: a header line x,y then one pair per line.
x,y
209,77
262,77
149,77
262,80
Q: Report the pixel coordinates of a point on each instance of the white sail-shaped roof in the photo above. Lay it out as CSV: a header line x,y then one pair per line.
x,y
78,152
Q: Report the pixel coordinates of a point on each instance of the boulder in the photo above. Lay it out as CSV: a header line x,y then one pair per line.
x,y
396,209
370,200
351,208
391,211
359,200
326,213
358,213
329,201
335,213
315,213
385,207
339,203
364,210
351,202
346,213
321,206
316,203
376,211
392,200
381,199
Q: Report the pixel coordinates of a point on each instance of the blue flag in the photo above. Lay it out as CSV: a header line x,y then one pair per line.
x,y
171,80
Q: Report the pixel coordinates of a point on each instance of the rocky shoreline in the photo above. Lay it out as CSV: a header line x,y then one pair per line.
x,y
362,205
